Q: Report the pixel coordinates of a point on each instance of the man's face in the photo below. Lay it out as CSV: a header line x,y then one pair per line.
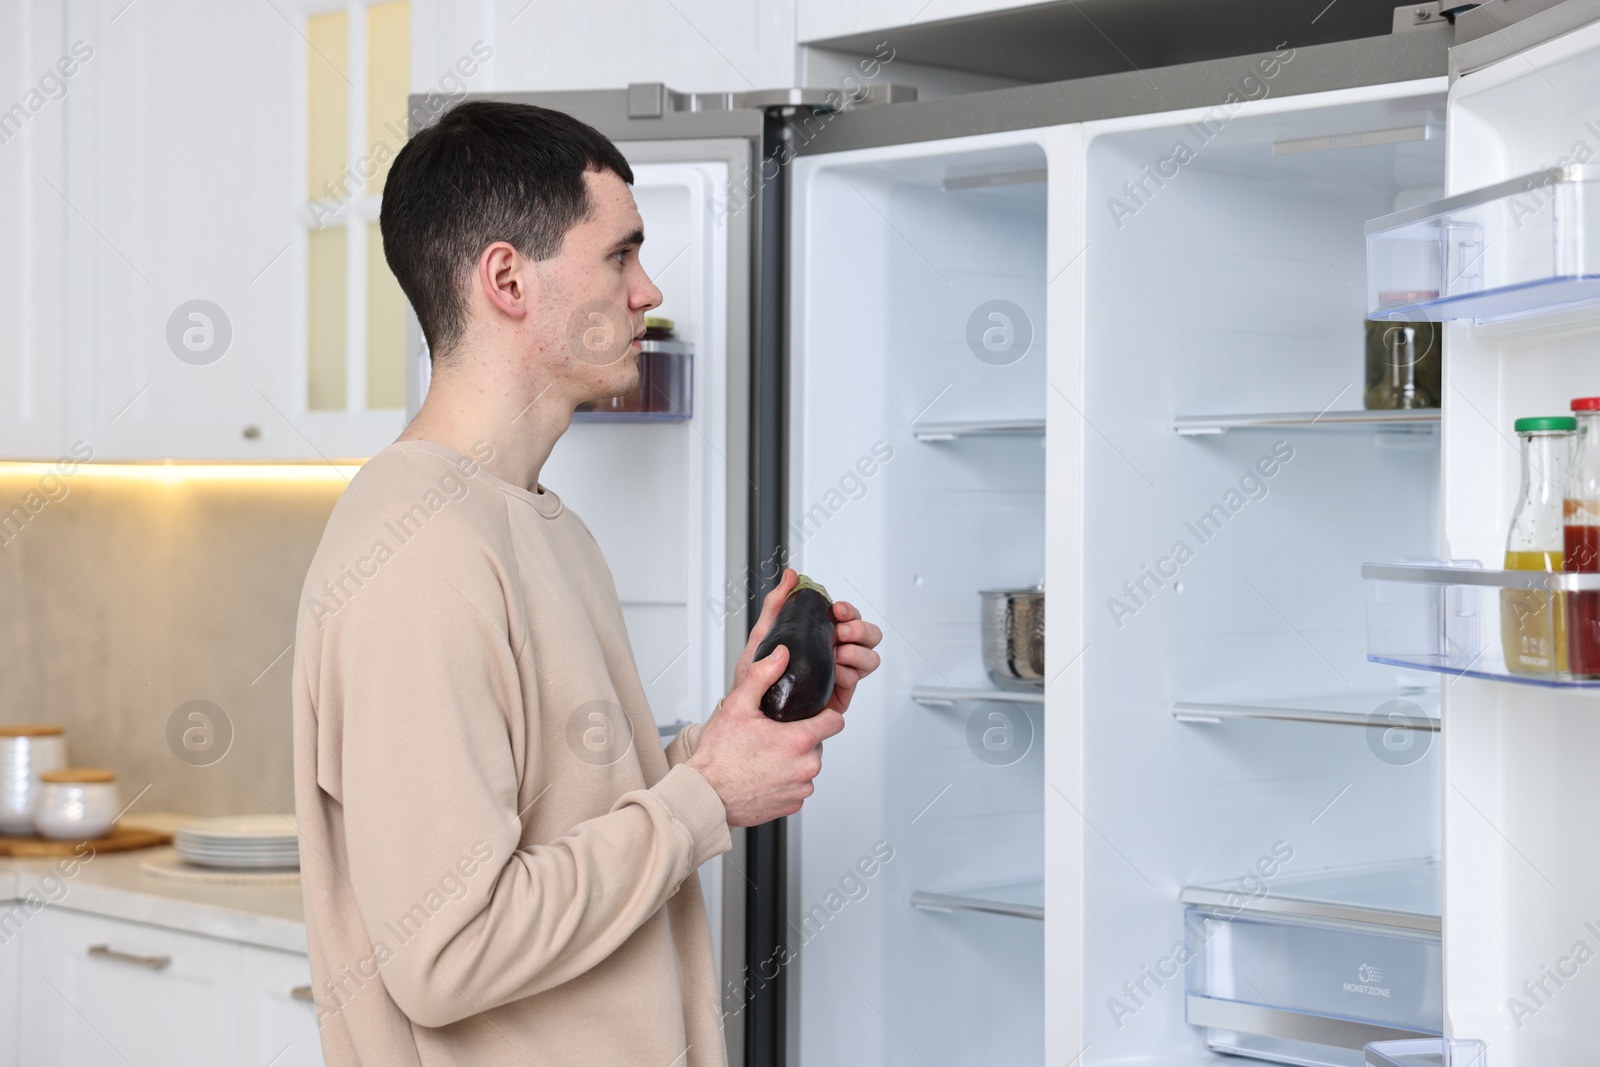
x,y
594,295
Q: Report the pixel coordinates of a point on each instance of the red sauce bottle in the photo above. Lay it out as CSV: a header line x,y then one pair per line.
x,y
1581,529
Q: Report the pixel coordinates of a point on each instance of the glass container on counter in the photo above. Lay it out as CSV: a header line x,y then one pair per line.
x,y
1582,540
1533,623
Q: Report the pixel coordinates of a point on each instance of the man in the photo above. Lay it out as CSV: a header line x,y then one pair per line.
x,y
498,856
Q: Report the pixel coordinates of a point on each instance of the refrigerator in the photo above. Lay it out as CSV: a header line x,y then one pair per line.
x,y
1108,337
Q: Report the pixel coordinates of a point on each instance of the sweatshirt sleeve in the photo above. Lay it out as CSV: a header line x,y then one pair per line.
x,y
421,667
683,746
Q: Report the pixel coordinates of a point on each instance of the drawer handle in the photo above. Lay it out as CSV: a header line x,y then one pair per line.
x,y
155,963
301,992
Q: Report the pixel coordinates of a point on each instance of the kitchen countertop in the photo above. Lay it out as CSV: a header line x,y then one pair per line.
x,y
115,885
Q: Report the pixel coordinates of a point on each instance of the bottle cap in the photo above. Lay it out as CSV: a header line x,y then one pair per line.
x,y
653,322
1586,403
1547,424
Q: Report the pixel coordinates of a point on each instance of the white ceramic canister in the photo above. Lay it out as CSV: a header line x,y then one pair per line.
x,y
25,752
76,803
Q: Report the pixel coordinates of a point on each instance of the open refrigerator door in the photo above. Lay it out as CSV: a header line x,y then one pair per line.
x,y
1520,800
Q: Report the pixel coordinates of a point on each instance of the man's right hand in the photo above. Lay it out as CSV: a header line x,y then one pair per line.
x,y
761,768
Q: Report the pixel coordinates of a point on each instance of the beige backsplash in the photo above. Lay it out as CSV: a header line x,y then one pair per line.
x,y
126,598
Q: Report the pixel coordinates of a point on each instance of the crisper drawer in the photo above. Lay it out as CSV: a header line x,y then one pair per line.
x,y
1310,980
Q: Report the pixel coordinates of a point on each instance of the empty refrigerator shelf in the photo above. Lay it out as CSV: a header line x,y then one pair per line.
x,y
1420,420
1024,899
949,431
1413,707
1520,247
1459,618
1401,896
944,696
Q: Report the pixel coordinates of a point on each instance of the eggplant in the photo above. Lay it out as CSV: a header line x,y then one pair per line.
x,y
805,627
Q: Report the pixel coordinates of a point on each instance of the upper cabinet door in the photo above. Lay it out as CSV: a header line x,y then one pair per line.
x,y
39,71
226,291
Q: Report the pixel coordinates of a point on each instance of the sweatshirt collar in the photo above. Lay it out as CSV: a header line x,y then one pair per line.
x,y
544,501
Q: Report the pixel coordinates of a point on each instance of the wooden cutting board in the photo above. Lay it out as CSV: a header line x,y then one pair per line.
x,y
121,839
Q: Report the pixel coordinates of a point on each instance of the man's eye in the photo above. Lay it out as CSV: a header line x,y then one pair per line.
x,y
619,256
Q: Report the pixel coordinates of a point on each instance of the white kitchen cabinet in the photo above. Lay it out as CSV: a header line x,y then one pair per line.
x,y
86,990
277,1020
32,220
100,991
186,179
10,990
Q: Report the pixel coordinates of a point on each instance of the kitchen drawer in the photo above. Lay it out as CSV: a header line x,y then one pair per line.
x,y
106,993
277,1020
1299,975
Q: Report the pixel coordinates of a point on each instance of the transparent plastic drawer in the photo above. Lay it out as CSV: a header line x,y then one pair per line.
x,y
1522,246
1457,618
1316,969
1427,1052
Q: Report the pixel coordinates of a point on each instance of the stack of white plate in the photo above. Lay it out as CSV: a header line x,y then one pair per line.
x,y
240,842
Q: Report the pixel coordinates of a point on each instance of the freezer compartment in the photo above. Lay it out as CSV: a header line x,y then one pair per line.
x,y
1427,1052
1515,248
665,392
1457,618
1310,969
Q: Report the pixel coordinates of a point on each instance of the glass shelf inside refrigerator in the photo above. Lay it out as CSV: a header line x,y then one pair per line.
x,y
1022,899
1418,420
944,696
1455,617
1309,969
1414,707
949,431
1521,247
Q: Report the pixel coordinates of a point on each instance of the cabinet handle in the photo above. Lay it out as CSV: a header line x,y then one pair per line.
x,y
155,963
251,433
301,992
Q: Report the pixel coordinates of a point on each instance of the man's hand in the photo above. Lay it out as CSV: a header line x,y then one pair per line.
x,y
853,655
761,768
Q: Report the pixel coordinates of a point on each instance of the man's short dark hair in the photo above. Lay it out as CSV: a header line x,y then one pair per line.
x,y
487,171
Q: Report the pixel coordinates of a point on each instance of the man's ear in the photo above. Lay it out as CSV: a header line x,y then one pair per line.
x,y
501,281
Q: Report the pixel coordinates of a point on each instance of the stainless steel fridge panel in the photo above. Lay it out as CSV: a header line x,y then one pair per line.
x,y
1315,69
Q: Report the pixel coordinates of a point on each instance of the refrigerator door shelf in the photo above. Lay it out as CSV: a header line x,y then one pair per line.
x,y
1427,1052
1519,247
1461,619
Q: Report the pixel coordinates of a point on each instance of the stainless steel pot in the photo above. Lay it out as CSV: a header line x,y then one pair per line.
x,y
1013,637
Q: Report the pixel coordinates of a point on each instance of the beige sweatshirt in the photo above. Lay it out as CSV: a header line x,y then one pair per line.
x,y
498,862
